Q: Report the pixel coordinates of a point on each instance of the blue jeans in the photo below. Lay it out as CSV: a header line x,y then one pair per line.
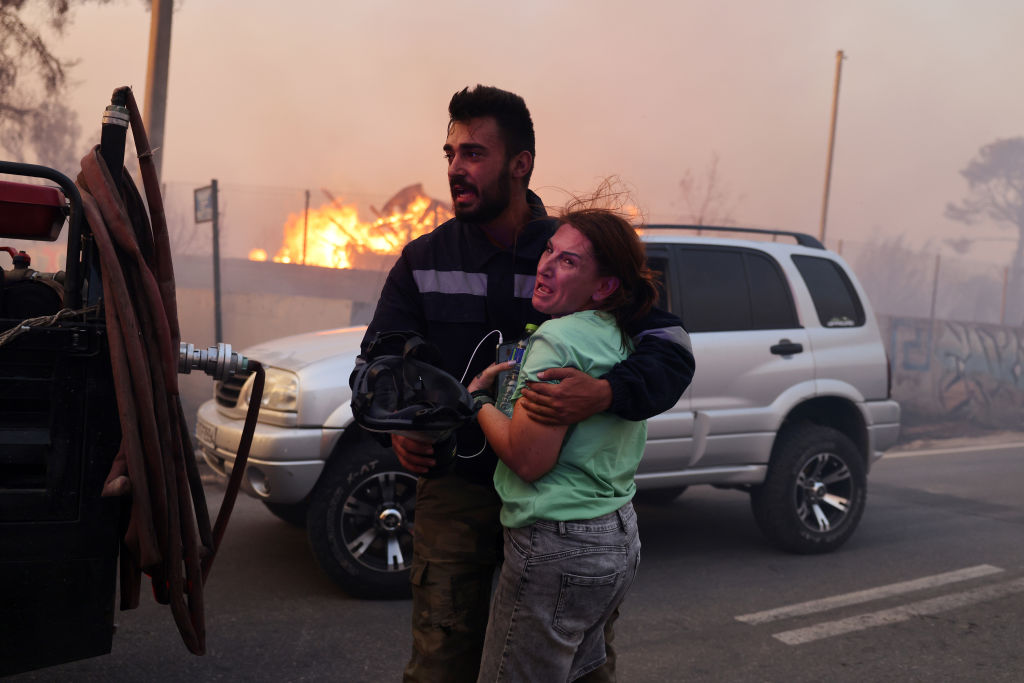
x,y
560,582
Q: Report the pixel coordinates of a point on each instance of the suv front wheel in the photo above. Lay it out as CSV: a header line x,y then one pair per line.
x,y
360,521
813,495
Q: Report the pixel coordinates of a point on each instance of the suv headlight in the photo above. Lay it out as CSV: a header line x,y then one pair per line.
x,y
280,391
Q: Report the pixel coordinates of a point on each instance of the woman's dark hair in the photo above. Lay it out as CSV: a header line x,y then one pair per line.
x,y
618,252
508,109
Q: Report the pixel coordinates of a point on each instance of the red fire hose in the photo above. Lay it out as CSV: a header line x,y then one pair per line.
x,y
168,535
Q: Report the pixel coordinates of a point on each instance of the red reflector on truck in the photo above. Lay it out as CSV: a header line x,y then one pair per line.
x,y
31,212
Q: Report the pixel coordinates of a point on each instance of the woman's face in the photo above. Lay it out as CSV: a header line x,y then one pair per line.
x,y
567,275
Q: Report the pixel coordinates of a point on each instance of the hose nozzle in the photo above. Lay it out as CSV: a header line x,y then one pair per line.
x,y
217,361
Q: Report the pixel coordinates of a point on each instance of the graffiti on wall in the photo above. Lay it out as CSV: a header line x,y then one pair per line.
x,y
947,370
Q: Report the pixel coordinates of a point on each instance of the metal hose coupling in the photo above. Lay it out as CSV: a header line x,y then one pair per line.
x,y
116,115
219,361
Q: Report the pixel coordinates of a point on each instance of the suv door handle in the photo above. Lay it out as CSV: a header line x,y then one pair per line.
x,y
786,348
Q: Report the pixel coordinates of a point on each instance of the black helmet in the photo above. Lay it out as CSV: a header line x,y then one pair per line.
x,y
409,395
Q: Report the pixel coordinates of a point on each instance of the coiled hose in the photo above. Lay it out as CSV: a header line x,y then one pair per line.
x,y
168,534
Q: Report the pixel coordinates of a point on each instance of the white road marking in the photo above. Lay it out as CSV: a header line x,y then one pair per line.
x,y
858,597
947,451
897,614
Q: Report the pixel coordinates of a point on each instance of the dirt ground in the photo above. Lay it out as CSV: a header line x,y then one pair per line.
x,y
952,435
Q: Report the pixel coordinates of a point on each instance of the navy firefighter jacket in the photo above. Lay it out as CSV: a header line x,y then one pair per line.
x,y
459,290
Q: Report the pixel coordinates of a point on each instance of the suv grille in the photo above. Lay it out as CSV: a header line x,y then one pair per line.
x,y
226,392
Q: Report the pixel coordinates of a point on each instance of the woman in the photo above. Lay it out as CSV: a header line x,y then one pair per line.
x,y
571,541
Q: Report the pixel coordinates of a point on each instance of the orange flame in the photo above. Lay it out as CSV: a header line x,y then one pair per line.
x,y
332,236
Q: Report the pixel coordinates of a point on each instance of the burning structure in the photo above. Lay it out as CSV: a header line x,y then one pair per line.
x,y
333,236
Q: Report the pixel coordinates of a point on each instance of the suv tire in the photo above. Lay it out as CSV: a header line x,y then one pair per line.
x,y
361,521
813,495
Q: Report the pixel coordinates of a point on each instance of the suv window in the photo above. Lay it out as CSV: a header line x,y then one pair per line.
x,y
659,264
723,289
834,298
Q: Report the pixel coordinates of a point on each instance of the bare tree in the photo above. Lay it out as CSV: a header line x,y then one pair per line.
x,y
185,235
707,200
995,184
32,80
52,133
896,276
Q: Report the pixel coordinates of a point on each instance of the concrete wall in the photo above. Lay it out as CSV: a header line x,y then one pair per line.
x,y
948,371
261,301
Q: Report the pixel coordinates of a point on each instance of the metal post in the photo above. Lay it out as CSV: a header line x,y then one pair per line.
x,y
218,336
155,101
831,145
305,229
1002,306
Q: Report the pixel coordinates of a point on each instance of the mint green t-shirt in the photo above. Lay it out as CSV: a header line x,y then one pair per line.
x,y
599,456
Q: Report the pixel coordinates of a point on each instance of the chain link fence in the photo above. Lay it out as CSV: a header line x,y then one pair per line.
x,y
251,217
901,282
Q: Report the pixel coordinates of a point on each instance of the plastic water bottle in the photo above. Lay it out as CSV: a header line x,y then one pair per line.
x,y
507,380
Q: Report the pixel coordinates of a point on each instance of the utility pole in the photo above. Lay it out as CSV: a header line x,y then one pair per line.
x,y
305,229
217,328
154,105
831,144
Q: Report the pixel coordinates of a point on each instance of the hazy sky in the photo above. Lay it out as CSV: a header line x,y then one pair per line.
x,y
353,96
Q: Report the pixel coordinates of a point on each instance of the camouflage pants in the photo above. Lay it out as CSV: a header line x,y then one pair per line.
x,y
457,547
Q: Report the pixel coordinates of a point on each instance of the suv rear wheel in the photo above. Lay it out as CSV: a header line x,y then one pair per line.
x,y
813,495
361,520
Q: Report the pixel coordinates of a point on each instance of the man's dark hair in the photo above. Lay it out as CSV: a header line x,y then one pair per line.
x,y
508,109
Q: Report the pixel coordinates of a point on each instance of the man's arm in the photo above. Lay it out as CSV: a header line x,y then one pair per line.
x,y
649,382
658,371
399,308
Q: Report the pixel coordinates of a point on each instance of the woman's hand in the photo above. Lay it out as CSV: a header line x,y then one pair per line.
x,y
485,380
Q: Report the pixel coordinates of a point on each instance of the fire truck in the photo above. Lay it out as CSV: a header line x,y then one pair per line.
x,y
97,474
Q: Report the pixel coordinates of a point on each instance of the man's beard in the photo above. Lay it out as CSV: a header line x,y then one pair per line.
x,y
492,201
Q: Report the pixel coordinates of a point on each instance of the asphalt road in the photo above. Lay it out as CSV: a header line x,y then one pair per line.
x,y
931,587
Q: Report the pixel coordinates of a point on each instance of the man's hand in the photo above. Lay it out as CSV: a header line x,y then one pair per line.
x,y
576,397
414,455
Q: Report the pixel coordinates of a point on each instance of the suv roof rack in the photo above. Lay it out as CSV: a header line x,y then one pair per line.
x,y
803,239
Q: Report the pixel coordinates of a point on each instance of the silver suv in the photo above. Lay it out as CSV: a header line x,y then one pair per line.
x,y
790,402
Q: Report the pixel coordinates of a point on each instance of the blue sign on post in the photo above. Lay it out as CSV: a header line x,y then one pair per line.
x,y
204,204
